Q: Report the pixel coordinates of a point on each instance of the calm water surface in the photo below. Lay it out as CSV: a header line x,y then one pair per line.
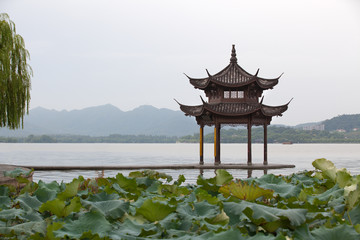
x,y
301,155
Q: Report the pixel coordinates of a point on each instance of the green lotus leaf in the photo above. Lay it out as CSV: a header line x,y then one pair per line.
x,y
171,221
25,229
29,202
284,190
198,210
90,221
102,196
208,184
13,213
113,209
222,177
60,208
154,211
70,191
303,232
342,231
343,178
127,184
202,195
244,191
262,236
144,182
131,228
5,202
103,182
46,191
230,234
354,215
17,172
323,198
279,185
172,190
353,197
181,179
151,174
221,219
45,194
305,178
260,214
327,167
4,190
269,178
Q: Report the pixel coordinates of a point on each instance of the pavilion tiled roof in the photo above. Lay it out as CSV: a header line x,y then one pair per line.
x,y
233,76
233,109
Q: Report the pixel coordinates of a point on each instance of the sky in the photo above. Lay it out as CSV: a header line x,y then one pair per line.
x,y
134,52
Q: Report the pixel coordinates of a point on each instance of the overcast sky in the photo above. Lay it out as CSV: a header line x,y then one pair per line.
x,y
134,52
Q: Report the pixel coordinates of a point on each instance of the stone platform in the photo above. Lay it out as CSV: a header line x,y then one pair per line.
x,y
176,166
9,180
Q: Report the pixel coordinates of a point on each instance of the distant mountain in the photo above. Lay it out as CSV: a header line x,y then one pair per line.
x,y
105,120
145,120
347,122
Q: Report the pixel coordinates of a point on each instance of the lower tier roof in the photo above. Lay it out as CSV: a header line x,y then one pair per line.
x,y
233,109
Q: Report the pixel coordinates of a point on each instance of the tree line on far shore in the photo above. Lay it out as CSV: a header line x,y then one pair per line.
x,y
233,135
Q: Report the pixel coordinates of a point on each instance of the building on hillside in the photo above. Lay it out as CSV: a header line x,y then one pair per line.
x,y
319,127
234,98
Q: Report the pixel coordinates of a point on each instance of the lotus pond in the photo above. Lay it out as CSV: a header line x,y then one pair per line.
x,y
318,204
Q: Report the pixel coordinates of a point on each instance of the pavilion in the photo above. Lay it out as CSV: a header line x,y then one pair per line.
x,y
234,98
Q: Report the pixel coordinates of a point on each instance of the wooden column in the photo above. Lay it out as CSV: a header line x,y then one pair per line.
x,y
217,143
249,141
201,144
265,144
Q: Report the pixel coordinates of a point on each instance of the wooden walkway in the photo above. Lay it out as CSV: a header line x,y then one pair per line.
x,y
179,166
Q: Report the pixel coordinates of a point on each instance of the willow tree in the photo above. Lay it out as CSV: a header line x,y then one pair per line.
x,y
15,76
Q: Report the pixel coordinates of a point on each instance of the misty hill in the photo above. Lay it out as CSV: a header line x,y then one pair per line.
x,y
345,122
105,120
145,120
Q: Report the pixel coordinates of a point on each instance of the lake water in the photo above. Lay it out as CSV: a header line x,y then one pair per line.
x,y
301,155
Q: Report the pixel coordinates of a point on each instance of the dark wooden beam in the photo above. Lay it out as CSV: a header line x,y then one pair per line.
x,y
201,144
217,143
249,161
265,145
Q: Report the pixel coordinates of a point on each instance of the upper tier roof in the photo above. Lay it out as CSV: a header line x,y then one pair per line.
x,y
233,76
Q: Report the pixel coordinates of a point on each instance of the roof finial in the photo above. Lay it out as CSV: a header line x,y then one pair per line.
x,y
233,58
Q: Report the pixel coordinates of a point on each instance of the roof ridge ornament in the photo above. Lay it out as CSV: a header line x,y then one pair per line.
x,y
208,73
233,58
202,100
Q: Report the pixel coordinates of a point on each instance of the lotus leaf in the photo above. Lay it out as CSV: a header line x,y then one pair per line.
x,y
17,172
113,209
70,191
154,211
244,191
343,231
90,221
25,229
261,214
60,208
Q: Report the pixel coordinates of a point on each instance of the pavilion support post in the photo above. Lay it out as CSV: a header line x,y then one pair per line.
x,y
265,145
201,145
217,143
249,161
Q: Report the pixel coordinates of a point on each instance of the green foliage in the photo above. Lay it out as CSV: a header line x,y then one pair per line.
x,y
15,74
278,135
322,204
